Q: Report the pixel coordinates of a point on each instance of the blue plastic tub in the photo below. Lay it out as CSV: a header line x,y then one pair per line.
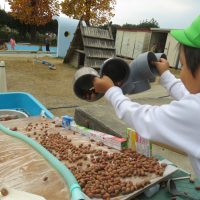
x,y
23,102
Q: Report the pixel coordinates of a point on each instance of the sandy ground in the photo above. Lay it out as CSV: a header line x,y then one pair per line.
x,y
53,88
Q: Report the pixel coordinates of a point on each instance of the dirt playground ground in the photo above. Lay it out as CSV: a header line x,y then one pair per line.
x,y
53,88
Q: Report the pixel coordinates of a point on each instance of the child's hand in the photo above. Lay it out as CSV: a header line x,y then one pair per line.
x,y
161,65
101,85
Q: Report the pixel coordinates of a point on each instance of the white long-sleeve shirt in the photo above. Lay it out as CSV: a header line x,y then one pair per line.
x,y
176,124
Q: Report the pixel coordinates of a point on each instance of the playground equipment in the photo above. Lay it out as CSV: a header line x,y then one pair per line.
x,y
44,62
3,85
66,29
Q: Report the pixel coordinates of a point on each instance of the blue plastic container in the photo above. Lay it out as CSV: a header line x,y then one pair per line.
x,y
23,102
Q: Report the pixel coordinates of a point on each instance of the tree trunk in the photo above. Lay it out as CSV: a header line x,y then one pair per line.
x,y
87,22
87,16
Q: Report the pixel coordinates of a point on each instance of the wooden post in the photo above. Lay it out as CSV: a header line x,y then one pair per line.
x,y
3,85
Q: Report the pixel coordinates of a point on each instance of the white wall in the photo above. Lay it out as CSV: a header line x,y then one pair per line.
x,y
128,44
65,24
139,43
131,43
118,42
171,50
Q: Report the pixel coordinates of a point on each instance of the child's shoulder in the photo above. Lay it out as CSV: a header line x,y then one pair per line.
x,y
192,101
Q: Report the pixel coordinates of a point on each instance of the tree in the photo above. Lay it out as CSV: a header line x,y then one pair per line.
x,y
129,26
93,12
34,12
3,17
152,23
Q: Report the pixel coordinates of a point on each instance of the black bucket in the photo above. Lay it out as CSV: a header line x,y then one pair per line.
x,y
83,84
116,69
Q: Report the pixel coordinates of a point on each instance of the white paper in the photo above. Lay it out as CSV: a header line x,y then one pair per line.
x,y
20,195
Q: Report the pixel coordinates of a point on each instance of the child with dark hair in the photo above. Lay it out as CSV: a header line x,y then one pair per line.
x,y
176,124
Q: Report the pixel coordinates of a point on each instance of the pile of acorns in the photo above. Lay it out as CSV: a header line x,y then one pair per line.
x,y
101,174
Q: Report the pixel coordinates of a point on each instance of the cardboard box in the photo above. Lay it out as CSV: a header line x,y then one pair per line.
x,y
138,143
106,139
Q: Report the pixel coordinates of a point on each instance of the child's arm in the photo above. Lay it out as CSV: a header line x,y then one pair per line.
x,y
173,85
171,124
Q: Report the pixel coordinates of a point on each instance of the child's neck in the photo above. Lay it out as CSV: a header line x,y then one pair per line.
x,y
195,83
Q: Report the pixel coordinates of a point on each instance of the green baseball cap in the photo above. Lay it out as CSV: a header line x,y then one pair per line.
x,y
189,36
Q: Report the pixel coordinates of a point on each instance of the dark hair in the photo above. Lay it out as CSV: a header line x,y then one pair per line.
x,y
192,57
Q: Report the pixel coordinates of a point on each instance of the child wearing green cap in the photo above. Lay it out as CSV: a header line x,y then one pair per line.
x,y
178,123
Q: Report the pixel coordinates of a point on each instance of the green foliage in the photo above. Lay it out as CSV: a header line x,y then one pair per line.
x,y
3,17
54,42
129,26
28,36
51,26
39,37
9,26
152,23
4,36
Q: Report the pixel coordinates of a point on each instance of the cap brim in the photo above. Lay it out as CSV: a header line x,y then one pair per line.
x,y
180,36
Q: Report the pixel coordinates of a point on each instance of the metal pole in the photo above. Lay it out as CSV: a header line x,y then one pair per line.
x,y
3,85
